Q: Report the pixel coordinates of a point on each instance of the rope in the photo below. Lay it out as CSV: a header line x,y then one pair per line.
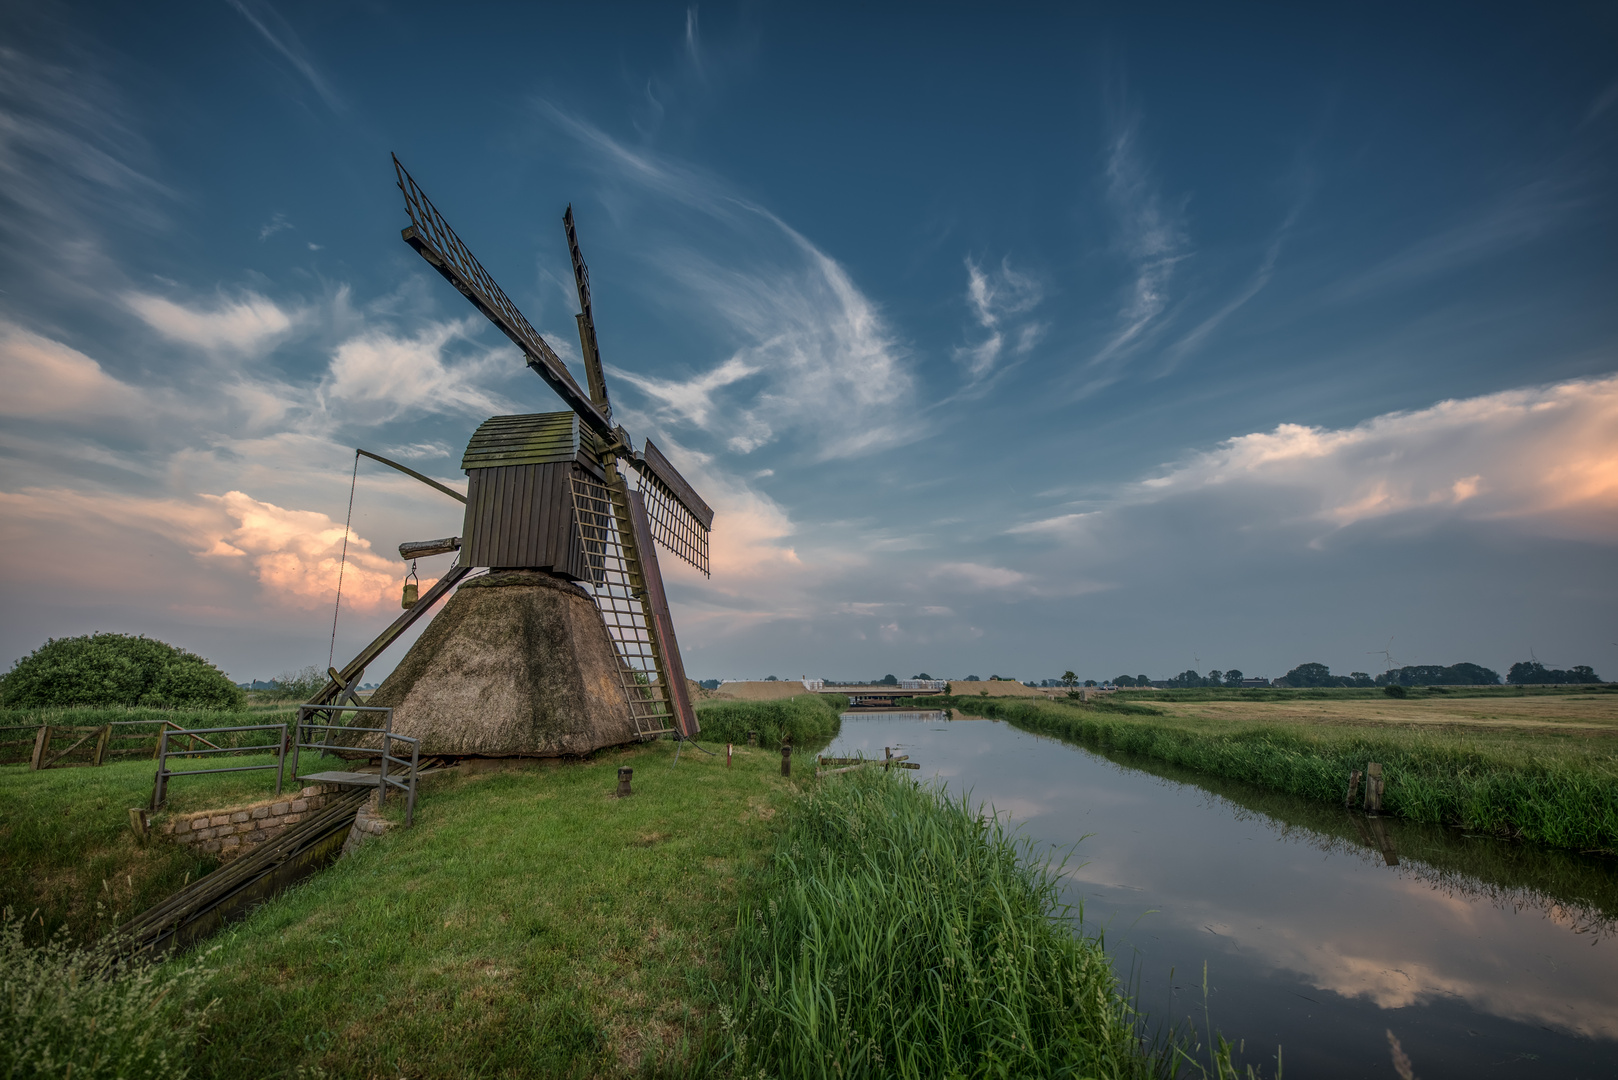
x,y
331,655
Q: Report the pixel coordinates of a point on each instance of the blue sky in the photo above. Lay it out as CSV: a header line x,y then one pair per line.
x,y
1122,340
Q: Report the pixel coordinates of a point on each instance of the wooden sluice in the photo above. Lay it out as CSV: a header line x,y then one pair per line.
x,y
230,892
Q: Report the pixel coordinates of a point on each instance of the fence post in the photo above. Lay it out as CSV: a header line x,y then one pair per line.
x,y
382,787
101,743
159,787
415,763
625,775
1353,787
297,739
786,760
281,760
42,742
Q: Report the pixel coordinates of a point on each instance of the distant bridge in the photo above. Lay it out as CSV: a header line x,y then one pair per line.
x,y
866,697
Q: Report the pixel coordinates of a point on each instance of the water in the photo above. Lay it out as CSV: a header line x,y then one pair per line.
x,y
1485,958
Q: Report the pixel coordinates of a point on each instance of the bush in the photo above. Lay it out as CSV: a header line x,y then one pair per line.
x,y
117,669
87,1013
1394,690
299,685
802,720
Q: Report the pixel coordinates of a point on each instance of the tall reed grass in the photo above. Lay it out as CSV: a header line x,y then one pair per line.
x,y
903,934
803,720
1551,796
87,1013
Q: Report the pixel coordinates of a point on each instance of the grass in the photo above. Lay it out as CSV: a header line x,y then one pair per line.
x,y
801,720
1534,782
898,933
67,854
530,924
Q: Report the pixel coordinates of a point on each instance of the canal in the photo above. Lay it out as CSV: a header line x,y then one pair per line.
x,y
1320,929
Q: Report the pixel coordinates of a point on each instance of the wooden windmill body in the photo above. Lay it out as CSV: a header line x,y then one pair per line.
x,y
565,644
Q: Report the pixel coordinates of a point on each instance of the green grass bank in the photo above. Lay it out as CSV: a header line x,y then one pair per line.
x,y
1548,788
894,932
531,924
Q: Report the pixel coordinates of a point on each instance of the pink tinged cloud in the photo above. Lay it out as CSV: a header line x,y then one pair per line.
x,y
46,378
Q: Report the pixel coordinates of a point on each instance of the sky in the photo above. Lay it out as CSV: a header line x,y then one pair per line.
x,y
1123,339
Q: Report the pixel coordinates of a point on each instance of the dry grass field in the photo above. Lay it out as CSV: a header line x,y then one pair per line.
x,y
1571,714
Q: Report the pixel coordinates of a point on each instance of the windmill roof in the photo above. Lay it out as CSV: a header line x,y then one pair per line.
x,y
533,439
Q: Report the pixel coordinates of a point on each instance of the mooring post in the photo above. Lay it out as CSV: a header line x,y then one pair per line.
x,y
624,774
887,758
1373,788
1353,787
786,759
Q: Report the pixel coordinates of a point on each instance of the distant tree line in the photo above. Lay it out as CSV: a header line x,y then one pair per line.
x,y
1532,671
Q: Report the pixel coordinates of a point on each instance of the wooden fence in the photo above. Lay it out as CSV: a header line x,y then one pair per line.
x,y
47,746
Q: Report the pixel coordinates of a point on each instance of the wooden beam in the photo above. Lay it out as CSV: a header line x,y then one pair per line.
x,y
429,481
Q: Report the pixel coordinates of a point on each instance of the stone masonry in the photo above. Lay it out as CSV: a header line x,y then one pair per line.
x,y
228,833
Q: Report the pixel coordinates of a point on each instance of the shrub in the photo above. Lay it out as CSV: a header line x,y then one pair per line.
x,y
299,685
117,669
1394,690
87,1013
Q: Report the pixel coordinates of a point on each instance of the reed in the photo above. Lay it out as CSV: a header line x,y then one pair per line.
x,y
895,932
1520,786
805,720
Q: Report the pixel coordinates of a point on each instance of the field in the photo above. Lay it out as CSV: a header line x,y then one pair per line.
x,y
531,924
1541,766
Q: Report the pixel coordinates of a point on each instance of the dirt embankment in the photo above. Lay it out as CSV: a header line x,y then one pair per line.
x,y
1004,688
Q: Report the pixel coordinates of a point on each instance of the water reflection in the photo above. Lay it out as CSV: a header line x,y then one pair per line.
x,y
1320,927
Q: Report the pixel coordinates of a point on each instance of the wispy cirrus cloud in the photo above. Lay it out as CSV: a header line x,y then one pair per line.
x,y
263,17
997,298
1150,235
816,358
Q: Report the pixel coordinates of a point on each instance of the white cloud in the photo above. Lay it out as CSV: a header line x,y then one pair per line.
x,y
378,375
274,29
979,576
1543,458
43,377
249,324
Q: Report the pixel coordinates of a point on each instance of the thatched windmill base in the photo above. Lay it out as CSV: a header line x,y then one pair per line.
x,y
518,664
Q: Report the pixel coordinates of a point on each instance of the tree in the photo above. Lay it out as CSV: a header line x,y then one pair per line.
x,y
971,678
1141,680
1312,674
1234,677
1360,678
1069,679
298,685
117,669
1216,677
1089,682
923,675
1187,679
890,680
1530,672
1124,680
1437,675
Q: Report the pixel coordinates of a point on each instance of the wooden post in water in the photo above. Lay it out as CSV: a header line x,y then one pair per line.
x,y
1373,788
786,759
624,775
1353,788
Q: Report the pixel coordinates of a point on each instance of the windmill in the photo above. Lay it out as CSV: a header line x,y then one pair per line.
x,y
552,517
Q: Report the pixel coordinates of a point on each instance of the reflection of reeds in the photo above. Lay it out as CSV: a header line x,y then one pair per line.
x,y
1579,891
1534,789
900,933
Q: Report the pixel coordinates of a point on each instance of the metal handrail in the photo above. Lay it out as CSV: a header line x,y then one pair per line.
x,y
160,786
388,738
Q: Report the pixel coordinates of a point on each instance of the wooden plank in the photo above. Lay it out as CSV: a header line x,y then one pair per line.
x,y
672,668
1373,788
101,743
429,481
653,461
